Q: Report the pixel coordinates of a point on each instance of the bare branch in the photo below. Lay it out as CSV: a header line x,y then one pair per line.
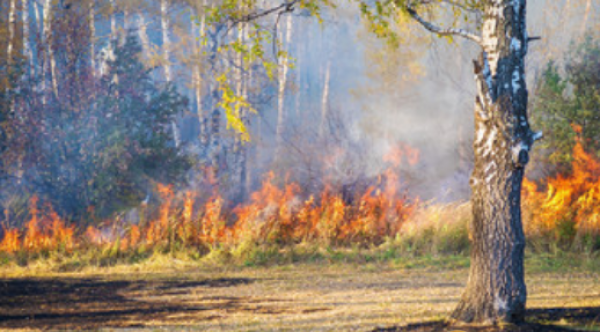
x,y
441,31
287,6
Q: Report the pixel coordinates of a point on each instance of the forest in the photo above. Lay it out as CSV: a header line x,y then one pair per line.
x,y
300,165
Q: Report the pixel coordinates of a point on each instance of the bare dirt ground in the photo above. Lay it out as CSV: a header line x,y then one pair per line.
x,y
290,298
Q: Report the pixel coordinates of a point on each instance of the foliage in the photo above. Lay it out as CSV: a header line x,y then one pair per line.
x,y
96,153
384,16
567,103
233,104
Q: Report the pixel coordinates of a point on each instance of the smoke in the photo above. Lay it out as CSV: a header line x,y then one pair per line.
x,y
420,94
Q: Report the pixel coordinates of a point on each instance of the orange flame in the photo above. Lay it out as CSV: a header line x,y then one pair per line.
x,y
574,198
273,214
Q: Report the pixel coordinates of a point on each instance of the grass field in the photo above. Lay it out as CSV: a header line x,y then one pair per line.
x,y
168,294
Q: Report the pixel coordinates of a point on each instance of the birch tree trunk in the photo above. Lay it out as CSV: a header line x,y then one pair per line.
x,y
41,69
113,20
143,34
325,99
198,32
26,38
12,21
240,147
496,290
588,9
280,128
92,27
48,40
166,35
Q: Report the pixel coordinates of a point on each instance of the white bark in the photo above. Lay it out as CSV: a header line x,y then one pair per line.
x,y
143,34
282,84
126,23
26,37
113,20
92,27
588,9
198,32
325,100
166,35
48,41
39,18
12,20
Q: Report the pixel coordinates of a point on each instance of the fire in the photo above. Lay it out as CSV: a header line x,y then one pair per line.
x,y
572,198
44,232
11,242
274,214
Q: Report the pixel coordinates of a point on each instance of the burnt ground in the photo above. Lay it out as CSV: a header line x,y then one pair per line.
x,y
92,303
288,300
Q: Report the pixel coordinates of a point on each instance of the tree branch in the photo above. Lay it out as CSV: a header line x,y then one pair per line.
x,y
461,6
441,31
287,6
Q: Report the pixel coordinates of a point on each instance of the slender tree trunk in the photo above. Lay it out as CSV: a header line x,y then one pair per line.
x,y
12,22
48,40
496,289
279,130
92,27
113,19
325,99
215,141
41,69
26,38
240,146
166,35
299,35
588,9
143,34
198,32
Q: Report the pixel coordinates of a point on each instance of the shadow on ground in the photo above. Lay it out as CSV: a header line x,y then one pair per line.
x,y
91,303
538,320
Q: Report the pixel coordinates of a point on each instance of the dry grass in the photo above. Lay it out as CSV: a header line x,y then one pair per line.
x,y
304,297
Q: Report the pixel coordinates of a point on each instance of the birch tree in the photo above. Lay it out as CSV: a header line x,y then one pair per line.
x,y
113,19
92,27
143,34
496,291
325,98
282,80
12,22
26,37
41,68
166,35
48,41
198,31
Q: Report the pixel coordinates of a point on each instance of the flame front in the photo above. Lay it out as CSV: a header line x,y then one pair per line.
x,y
570,204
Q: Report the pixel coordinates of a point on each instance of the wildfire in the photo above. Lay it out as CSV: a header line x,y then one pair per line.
x,y
273,214
44,232
569,200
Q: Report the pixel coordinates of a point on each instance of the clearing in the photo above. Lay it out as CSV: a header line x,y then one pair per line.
x,y
303,297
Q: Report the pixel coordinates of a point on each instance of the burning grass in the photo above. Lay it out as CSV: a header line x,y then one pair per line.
x,y
564,212
284,224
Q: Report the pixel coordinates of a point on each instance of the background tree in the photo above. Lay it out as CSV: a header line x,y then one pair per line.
x,y
567,103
